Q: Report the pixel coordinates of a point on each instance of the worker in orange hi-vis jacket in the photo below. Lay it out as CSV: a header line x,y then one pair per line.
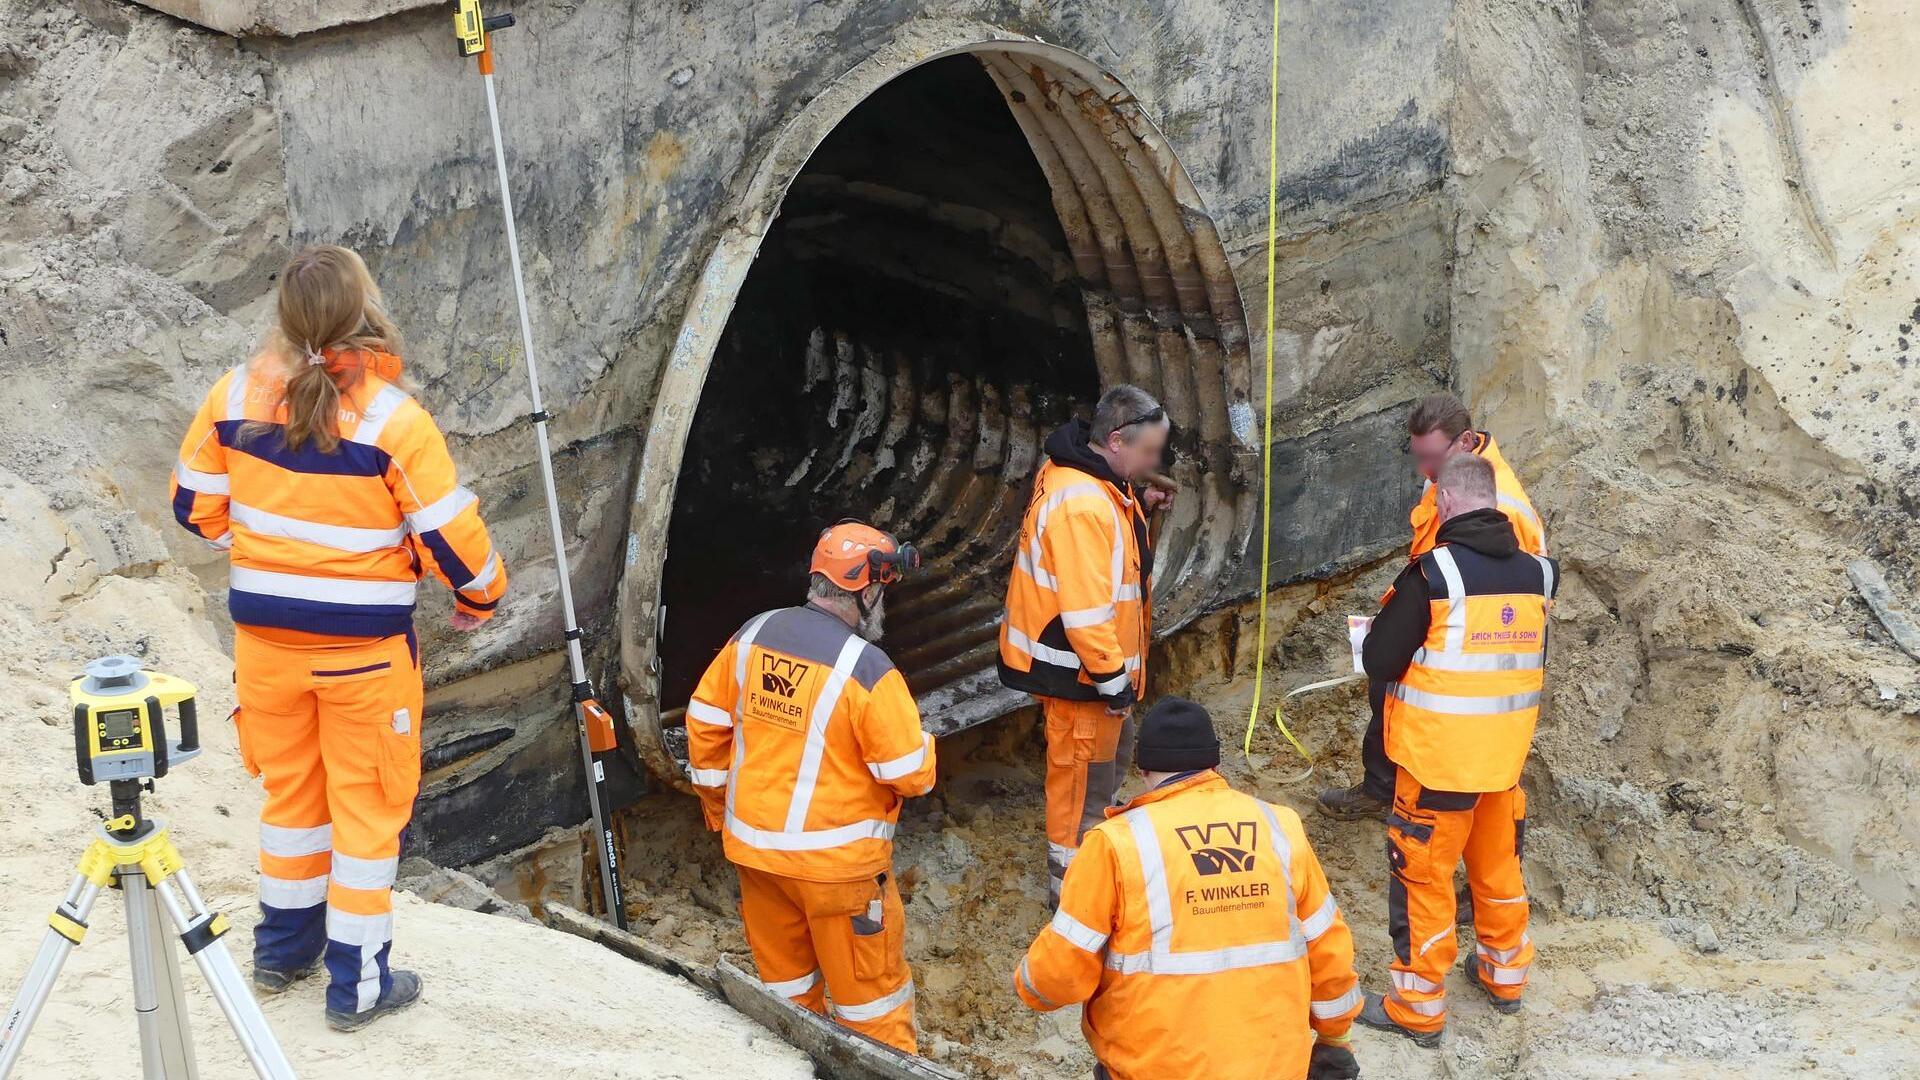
x,y
1079,605
1439,428
803,740
1198,928
1461,646
332,492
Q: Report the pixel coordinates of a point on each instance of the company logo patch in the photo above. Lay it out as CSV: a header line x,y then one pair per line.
x,y
781,675
1220,847
1506,615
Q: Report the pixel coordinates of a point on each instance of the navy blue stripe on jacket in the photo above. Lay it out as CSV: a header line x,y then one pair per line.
x,y
319,617
270,445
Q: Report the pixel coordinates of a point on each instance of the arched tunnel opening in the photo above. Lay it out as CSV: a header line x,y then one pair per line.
x,y
928,271
911,330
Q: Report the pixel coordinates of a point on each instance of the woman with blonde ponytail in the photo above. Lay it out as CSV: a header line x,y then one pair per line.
x,y
333,493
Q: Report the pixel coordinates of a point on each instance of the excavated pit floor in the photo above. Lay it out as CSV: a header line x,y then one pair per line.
x,y
1632,980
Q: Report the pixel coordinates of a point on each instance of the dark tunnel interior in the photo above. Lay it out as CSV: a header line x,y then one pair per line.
x,y
909,333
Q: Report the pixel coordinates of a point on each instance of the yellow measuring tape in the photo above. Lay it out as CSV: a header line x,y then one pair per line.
x,y
1266,440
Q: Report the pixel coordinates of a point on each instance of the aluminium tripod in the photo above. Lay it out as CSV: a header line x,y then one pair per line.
x,y
135,855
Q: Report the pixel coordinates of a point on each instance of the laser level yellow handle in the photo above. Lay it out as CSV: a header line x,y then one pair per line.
x,y
470,30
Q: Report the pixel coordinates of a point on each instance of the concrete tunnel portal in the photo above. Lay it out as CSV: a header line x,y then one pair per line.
x,y
952,258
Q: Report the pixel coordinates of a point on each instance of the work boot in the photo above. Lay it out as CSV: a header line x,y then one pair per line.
x,y
268,981
404,992
1351,804
1503,1006
1373,1013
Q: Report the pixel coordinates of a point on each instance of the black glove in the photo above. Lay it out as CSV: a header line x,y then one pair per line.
x,y
1331,1062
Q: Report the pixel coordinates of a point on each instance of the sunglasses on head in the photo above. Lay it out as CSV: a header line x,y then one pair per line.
x,y
1153,415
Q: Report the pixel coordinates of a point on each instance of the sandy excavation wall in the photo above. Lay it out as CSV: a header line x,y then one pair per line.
x,y
166,169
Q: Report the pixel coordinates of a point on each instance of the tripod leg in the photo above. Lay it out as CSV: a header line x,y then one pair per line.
x,y
159,998
67,926
201,931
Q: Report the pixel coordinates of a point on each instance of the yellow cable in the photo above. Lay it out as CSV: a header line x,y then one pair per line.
x,y
1266,439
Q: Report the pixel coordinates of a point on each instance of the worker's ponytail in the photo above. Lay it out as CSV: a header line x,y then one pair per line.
x,y
327,301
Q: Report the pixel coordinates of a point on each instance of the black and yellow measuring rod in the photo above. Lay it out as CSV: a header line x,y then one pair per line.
x,y
598,741
120,738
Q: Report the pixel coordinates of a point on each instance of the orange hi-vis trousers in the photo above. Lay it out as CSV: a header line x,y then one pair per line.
x,y
1088,751
334,733
1428,833
841,939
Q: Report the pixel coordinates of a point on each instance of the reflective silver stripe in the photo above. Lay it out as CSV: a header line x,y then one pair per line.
x,y
709,714
1519,506
1320,921
222,542
441,511
1334,1008
204,483
1434,1007
1026,980
1412,983
373,418
1503,956
818,840
1454,705
292,843
1456,599
325,590
1161,959
293,892
363,930
1060,854
816,746
1129,591
1114,685
485,577
796,987
875,1009
1435,939
1034,570
1546,577
237,394
1440,661
1507,976
1084,617
741,647
1058,657
902,765
1077,933
337,537
1506,900
355,873
708,777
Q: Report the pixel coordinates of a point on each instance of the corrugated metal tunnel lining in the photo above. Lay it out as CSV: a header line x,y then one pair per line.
x,y
972,250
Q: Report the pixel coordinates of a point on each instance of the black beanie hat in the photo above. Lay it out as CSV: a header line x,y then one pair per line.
x,y
1176,736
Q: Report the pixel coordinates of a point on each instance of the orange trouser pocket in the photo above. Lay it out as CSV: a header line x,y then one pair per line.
x,y
374,693
247,760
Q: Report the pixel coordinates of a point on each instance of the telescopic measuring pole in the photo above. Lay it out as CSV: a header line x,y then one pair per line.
x,y
597,740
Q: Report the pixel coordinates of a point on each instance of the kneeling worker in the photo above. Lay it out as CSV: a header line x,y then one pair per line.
x,y
1462,647
1197,926
803,740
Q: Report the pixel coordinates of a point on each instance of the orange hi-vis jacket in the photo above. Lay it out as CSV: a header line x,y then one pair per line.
x,y
1513,502
1461,719
1077,620
1197,925
803,740
331,543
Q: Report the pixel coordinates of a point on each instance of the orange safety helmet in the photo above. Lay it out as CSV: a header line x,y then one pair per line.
x,y
853,554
